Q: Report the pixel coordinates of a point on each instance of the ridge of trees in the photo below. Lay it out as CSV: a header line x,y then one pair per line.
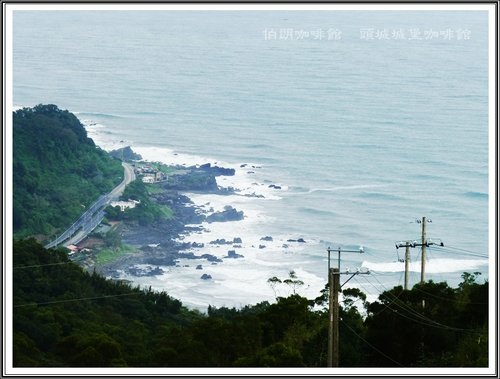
x,y
57,170
66,317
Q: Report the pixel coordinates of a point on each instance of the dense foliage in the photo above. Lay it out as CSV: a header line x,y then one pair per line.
x,y
64,316
146,212
57,170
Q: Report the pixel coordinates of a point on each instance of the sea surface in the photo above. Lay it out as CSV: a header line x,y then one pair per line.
x,y
365,121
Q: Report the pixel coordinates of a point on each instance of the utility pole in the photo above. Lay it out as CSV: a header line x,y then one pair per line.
x,y
333,306
425,243
335,316
407,263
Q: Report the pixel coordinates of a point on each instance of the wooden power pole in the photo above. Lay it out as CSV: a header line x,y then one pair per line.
x,y
335,315
331,320
333,307
333,325
424,243
407,263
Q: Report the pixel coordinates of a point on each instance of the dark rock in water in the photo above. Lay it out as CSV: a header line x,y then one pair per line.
x,y
243,165
206,277
237,240
266,238
157,271
188,255
250,172
274,186
237,246
217,171
226,191
199,245
232,254
160,259
220,241
228,214
262,246
298,240
193,180
125,154
148,271
199,267
211,258
253,195
285,246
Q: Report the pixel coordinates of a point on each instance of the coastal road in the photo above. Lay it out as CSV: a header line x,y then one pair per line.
x,y
93,216
128,177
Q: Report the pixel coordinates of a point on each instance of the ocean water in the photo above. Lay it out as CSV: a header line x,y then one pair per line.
x,y
377,123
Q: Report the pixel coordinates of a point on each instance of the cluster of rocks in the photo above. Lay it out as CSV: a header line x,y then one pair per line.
x,y
228,214
247,165
162,242
147,271
125,154
223,241
216,170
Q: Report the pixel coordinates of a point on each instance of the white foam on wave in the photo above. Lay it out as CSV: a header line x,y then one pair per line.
x,y
434,266
245,180
233,283
305,191
101,137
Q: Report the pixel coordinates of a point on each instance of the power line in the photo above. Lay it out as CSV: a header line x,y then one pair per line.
x,y
467,251
430,322
78,299
450,250
43,265
369,344
450,300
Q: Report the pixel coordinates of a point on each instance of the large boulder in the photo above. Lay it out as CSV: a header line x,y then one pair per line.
x,y
228,214
125,154
216,170
233,254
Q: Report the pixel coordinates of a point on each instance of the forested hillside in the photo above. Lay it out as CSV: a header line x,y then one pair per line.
x,y
65,317
57,171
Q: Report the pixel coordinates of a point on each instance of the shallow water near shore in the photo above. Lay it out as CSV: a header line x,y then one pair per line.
x,y
362,137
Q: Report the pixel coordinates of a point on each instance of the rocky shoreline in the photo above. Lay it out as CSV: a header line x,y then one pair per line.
x,y
160,243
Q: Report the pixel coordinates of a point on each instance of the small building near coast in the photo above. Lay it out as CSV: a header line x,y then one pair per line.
x,y
125,204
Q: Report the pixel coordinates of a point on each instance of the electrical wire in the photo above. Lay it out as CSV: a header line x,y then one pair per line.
x,y
449,249
78,299
444,298
369,344
44,265
420,318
